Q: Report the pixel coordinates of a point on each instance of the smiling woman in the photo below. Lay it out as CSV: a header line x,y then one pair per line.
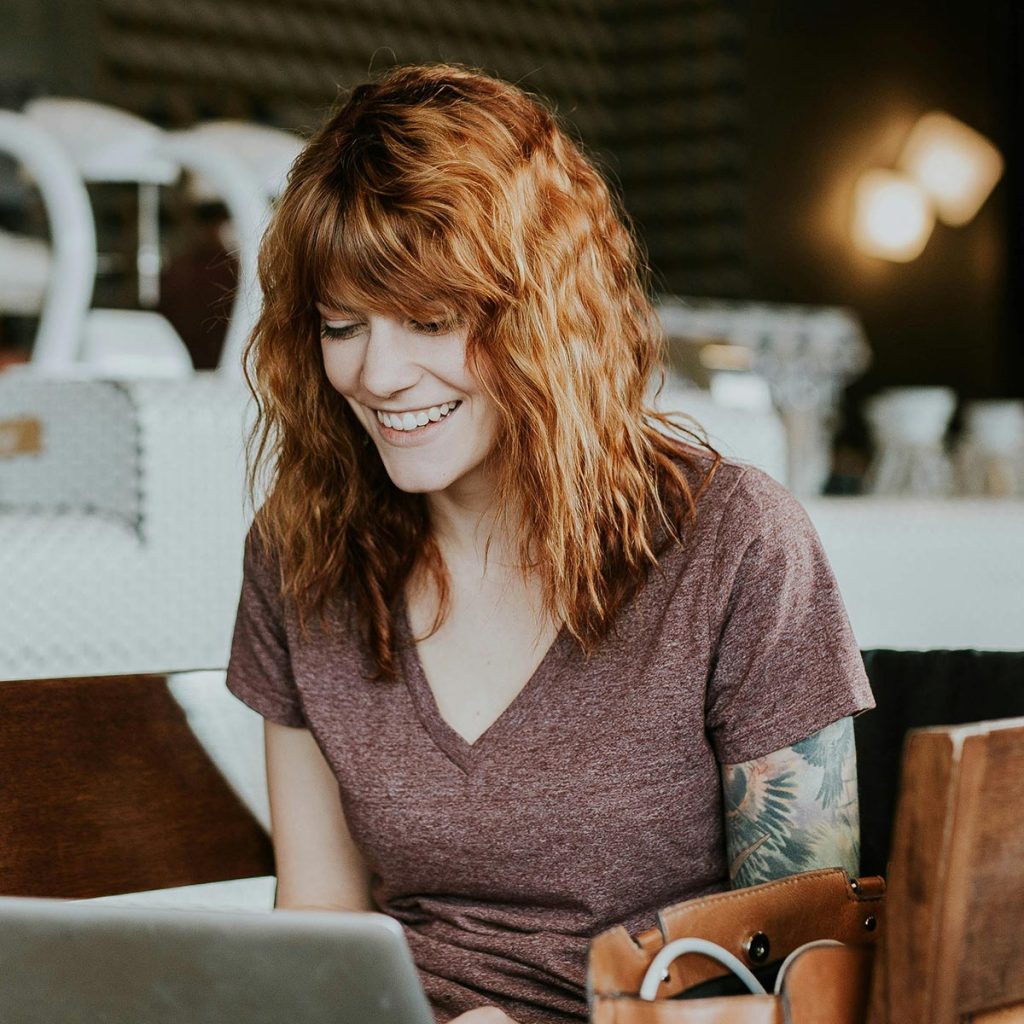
x,y
405,382
534,659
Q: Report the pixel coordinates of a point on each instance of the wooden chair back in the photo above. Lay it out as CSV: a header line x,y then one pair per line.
x,y
953,950
106,790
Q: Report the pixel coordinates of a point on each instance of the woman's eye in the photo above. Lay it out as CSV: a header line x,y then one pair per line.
x,y
430,327
436,326
338,333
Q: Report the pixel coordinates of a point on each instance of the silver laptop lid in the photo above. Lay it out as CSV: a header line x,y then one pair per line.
x,y
79,963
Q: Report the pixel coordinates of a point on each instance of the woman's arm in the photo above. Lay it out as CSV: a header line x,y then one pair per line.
x,y
318,864
795,809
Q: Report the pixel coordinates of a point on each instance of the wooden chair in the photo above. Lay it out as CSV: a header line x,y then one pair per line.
x,y
918,690
953,950
106,790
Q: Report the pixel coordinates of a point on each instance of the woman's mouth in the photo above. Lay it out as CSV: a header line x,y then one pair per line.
x,y
416,419
402,427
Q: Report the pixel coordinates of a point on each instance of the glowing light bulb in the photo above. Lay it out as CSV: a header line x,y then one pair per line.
x,y
893,217
957,166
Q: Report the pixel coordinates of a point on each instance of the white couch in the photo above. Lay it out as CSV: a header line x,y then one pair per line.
x,y
120,540
120,552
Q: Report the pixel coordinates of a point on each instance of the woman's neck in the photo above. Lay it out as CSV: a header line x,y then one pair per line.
x,y
481,552
472,535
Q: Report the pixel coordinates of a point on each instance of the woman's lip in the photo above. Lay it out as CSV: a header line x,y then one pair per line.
x,y
412,438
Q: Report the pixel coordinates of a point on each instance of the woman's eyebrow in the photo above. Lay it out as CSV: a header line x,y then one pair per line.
x,y
332,311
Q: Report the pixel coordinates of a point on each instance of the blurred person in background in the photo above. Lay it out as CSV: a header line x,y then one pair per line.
x,y
197,285
534,659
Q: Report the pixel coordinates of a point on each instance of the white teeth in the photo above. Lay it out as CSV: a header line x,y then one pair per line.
x,y
415,420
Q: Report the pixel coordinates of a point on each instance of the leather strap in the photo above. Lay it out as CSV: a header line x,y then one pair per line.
x,y
788,912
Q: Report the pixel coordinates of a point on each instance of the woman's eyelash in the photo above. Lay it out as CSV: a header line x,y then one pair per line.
x,y
347,331
442,325
340,333
436,326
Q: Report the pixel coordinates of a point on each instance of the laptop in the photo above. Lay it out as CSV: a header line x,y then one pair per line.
x,y
82,963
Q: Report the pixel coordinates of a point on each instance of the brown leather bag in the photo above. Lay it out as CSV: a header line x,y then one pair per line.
x,y
761,926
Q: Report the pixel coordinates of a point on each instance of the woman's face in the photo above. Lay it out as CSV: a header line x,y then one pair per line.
x,y
412,390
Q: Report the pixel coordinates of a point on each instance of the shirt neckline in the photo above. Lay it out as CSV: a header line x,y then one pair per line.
x,y
457,748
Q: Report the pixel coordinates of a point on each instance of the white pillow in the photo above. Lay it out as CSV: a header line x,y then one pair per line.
x,y
230,732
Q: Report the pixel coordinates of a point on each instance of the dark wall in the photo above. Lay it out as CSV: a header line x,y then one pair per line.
x,y
284,63
46,48
177,62
680,148
833,89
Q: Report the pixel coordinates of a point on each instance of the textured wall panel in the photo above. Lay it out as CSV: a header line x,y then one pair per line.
x,y
679,139
654,88
178,60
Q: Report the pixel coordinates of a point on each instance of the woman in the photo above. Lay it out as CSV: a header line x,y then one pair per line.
x,y
562,668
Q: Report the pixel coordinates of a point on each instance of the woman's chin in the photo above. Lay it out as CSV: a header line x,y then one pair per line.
x,y
428,476
419,479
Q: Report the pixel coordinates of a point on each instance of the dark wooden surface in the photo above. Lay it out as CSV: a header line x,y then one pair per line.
x,y
106,790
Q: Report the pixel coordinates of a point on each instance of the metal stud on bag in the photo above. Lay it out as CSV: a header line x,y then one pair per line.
x,y
757,947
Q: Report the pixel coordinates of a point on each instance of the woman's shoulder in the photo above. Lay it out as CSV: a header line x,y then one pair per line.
x,y
740,491
259,552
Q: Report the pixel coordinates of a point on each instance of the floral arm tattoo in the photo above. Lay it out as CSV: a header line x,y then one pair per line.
x,y
795,809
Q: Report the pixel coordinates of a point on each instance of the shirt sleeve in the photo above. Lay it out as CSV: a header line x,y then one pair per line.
x,y
785,662
259,668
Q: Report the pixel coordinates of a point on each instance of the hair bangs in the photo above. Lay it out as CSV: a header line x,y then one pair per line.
x,y
372,257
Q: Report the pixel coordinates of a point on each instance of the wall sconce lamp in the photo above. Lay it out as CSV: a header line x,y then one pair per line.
x,y
957,166
893,216
946,170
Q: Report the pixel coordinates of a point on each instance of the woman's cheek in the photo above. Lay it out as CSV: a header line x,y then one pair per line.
x,y
341,369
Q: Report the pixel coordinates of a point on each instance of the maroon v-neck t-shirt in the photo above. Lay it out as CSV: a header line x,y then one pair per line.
x,y
595,797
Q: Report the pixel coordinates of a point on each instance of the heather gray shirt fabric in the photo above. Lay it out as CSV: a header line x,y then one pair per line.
x,y
595,798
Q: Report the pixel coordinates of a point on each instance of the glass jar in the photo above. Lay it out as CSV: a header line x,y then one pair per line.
x,y
990,456
909,427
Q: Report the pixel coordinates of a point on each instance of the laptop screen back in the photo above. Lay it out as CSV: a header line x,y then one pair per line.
x,y
79,963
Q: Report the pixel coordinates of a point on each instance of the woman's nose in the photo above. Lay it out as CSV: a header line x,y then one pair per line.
x,y
387,366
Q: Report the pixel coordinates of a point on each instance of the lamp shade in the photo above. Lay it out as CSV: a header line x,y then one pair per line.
x,y
893,216
957,166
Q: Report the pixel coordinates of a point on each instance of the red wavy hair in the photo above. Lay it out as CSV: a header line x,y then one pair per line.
x,y
437,188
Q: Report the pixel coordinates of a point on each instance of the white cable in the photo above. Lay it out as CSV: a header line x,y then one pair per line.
x,y
659,966
792,956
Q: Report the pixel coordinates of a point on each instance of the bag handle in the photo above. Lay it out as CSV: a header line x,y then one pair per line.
x,y
796,952
657,972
